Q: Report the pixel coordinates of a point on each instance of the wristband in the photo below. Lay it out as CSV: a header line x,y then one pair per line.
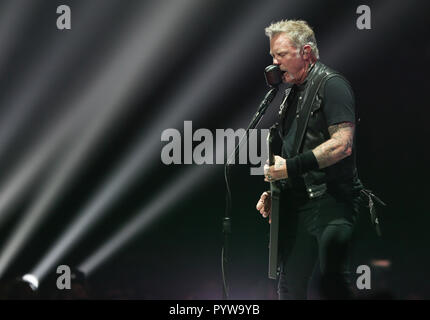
x,y
302,163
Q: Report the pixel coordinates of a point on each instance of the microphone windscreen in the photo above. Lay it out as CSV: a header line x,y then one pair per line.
x,y
273,75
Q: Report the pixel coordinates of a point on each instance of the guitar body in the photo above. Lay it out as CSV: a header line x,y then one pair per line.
x,y
275,191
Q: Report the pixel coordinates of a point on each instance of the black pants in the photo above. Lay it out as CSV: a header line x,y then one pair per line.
x,y
314,248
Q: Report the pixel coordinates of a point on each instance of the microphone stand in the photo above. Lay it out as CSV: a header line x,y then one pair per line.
x,y
227,218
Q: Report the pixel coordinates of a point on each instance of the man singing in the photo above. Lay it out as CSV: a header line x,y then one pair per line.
x,y
317,170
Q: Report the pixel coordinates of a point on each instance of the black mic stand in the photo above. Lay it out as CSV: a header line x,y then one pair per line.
x,y
227,218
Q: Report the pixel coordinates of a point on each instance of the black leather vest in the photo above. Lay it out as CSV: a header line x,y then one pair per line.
x,y
340,179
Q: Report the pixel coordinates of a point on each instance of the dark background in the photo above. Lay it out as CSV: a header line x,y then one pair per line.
x,y
179,255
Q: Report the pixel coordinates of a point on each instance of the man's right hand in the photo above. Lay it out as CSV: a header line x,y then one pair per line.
x,y
264,205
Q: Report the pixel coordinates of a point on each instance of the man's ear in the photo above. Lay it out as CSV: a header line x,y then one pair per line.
x,y
307,51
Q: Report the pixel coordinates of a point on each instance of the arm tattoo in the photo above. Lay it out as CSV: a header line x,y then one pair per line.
x,y
339,145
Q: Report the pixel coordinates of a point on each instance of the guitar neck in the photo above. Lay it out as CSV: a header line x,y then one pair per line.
x,y
271,154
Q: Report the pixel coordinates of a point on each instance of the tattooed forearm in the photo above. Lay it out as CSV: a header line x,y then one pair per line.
x,y
339,146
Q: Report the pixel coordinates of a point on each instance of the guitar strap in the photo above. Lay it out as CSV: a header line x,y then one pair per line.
x,y
305,109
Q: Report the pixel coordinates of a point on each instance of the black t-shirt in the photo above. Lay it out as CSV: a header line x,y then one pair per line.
x,y
338,106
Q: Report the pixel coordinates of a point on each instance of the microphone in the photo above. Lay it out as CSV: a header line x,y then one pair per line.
x,y
273,75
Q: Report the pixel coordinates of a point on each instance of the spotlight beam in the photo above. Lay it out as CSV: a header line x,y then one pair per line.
x,y
52,63
151,212
80,112
145,217
72,120
14,15
116,85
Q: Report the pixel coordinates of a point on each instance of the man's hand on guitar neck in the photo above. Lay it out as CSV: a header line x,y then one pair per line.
x,y
264,205
276,172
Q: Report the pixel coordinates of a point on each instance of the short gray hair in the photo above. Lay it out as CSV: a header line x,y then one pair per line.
x,y
299,32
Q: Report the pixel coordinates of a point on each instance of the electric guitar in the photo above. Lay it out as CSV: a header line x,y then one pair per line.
x,y
275,191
